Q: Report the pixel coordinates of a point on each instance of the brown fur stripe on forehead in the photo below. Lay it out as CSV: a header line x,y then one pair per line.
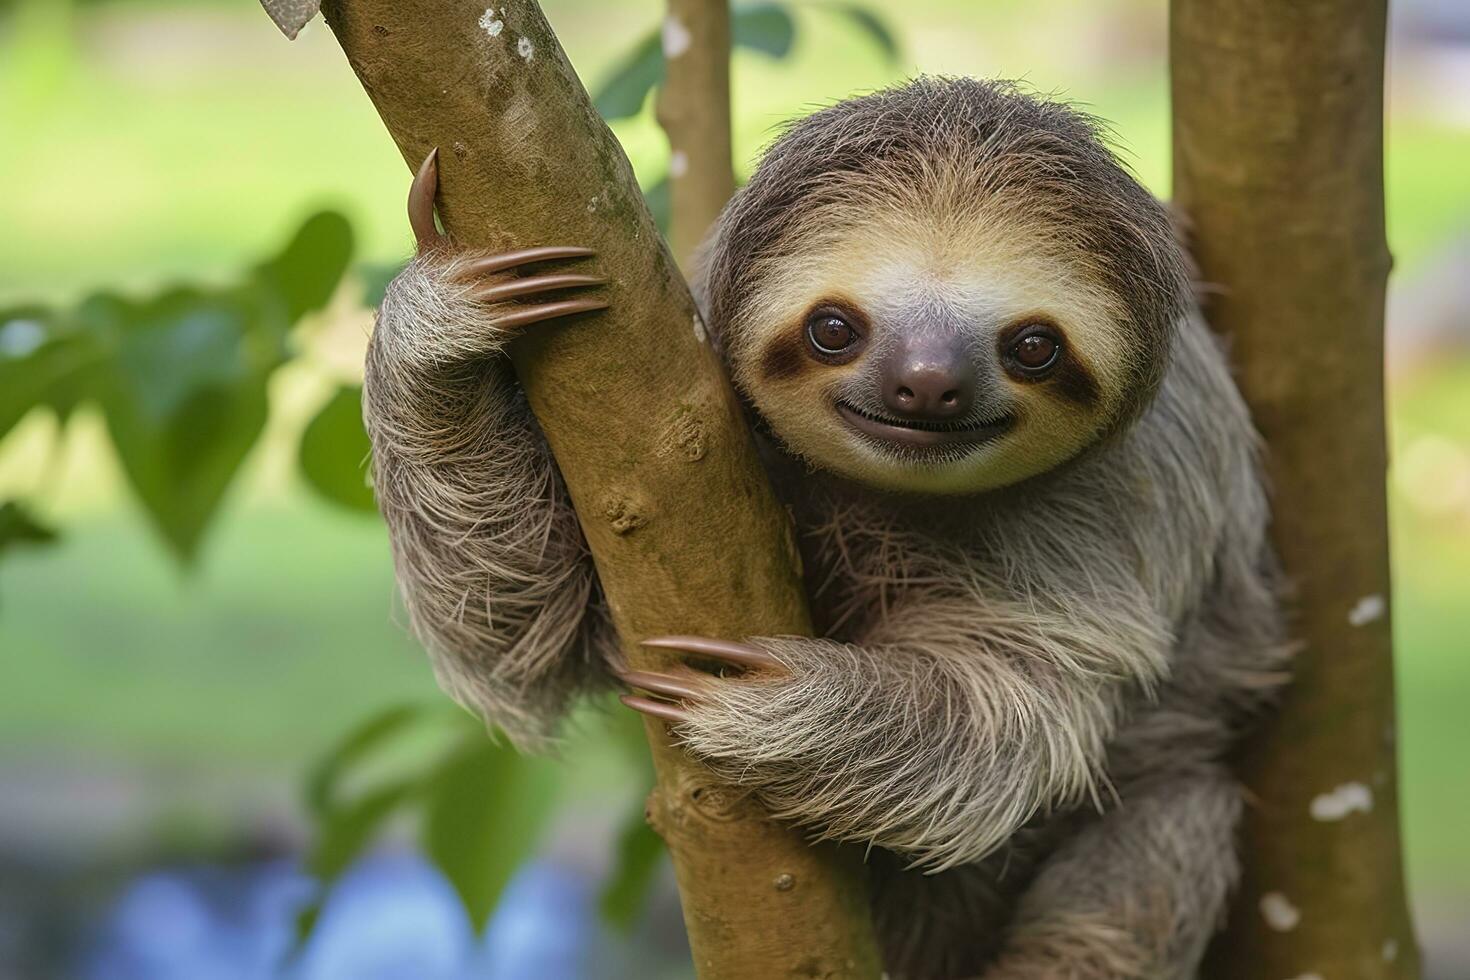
x,y
1047,160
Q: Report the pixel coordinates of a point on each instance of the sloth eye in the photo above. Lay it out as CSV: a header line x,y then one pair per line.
x,y
830,334
1036,351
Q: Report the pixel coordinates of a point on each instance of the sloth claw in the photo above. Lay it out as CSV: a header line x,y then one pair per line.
x,y
744,655
666,685
421,203
421,194
499,292
505,261
662,710
525,316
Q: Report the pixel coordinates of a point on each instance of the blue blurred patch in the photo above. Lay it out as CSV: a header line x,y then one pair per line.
x,y
392,917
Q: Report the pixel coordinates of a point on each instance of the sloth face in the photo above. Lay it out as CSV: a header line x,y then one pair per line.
x,y
933,357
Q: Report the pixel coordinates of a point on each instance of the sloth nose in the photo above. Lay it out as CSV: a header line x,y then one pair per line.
x,y
929,379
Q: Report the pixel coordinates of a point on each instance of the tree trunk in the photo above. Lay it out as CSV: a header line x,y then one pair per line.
x,y
648,434
694,111
1278,162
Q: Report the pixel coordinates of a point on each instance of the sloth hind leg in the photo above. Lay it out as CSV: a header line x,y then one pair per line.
x,y
1138,894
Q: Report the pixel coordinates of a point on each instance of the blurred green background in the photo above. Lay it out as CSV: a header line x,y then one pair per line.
x,y
151,711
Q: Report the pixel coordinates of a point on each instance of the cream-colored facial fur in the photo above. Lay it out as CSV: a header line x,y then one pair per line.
x,y
987,269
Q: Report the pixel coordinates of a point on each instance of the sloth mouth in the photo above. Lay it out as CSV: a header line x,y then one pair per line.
x,y
918,435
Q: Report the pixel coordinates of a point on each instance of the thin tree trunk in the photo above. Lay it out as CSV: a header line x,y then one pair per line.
x,y
1278,161
685,531
694,111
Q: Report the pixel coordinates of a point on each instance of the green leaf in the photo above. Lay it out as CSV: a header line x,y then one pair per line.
x,y
870,24
184,394
764,27
343,834
306,273
19,528
323,779
348,830
485,811
334,450
623,93
43,361
625,891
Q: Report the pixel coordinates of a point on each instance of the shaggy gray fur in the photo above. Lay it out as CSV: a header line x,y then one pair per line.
x,y
1067,661
1044,153
490,559
1020,700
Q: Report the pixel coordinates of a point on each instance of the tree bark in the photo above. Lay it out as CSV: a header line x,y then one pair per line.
x,y
694,111
646,430
1278,163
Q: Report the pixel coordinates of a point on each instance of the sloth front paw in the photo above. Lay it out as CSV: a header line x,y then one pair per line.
x,y
678,694
494,279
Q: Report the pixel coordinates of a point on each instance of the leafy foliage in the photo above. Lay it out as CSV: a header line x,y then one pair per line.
x,y
639,851
482,806
180,376
485,808
334,451
182,379
182,383
18,528
769,28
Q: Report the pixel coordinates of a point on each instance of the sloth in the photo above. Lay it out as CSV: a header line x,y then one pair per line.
x,y
1030,509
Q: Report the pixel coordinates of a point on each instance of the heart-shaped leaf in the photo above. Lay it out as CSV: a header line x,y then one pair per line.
x,y
765,27
623,93
184,394
43,361
487,807
306,272
323,781
334,450
635,863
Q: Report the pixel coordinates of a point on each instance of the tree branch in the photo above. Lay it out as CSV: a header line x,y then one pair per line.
x,y
685,531
694,111
1278,160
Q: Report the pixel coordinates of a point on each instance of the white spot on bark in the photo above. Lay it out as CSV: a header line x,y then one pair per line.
x,y
1346,799
491,24
525,48
1367,610
678,164
700,334
19,337
1278,912
676,38
1390,950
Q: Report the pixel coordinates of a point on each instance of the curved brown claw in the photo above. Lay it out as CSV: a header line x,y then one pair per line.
x,y
499,292
421,203
666,685
662,710
506,261
736,654
525,316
